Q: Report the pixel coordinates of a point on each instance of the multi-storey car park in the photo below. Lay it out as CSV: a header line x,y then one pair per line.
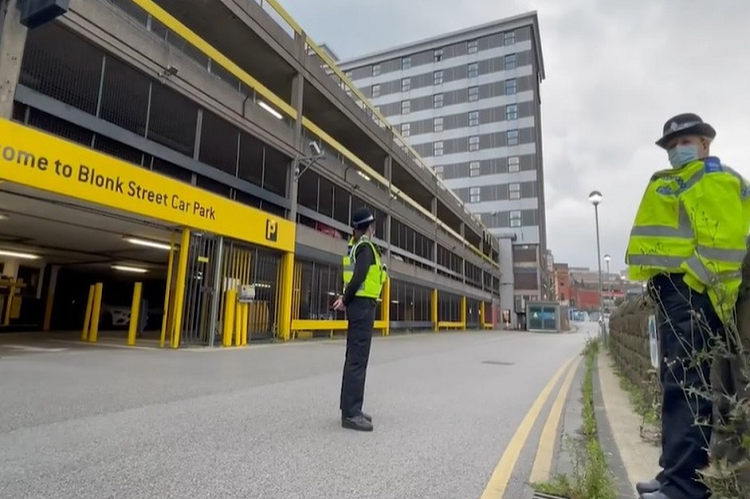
x,y
209,155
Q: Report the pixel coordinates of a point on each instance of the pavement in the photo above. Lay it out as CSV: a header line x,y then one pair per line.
x,y
458,415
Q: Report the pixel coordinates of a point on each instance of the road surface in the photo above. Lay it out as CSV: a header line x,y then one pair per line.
x,y
263,422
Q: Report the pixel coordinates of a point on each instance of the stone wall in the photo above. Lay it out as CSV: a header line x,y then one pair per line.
x,y
628,339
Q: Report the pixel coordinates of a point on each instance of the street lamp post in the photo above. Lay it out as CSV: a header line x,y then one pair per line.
x,y
607,259
595,197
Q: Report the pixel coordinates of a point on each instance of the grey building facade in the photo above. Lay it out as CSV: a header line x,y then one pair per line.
x,y
469,103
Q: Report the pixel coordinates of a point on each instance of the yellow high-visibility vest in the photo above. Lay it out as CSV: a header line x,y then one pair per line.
x,y
376,275
694,221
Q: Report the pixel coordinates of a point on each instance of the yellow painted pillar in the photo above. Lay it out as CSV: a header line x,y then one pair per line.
x,y
482,312
230,300
87,319
238,324
434,309
9,303
135,309
166,320
50,298
179,300
286,287
96,311
385,315
463,311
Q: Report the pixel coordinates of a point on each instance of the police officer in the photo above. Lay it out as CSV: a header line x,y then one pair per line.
x,y
688,243
364,276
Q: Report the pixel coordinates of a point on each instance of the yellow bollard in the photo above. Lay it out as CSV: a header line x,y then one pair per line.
x,y
135,308
96,312
245,320
237,324
228,324
87,319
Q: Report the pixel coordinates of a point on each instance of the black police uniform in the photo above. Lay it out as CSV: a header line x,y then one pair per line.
x,y
360,314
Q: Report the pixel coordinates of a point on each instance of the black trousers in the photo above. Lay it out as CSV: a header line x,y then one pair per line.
x,y
360,314
686,322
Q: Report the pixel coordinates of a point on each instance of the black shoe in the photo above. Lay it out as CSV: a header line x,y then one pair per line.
x,y
367,417
647,487
655,495
358,423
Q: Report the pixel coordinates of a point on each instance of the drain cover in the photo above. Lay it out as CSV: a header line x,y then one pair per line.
x,y
498,363
542,495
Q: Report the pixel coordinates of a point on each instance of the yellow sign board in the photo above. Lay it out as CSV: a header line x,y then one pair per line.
x,y
37,159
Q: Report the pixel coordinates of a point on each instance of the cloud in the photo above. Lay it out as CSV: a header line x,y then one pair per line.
x,y
616,71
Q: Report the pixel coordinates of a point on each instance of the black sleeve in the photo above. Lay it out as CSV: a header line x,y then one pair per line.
x,y
363,259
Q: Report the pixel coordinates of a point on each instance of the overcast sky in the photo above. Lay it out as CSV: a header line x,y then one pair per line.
x,y
616,71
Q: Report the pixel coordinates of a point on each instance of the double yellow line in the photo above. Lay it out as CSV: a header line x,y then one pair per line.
x,y
542,468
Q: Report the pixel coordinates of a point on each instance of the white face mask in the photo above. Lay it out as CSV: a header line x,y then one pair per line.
x,y
681,155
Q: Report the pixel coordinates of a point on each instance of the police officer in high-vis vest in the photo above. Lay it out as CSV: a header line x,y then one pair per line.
x,y
364,276
688,243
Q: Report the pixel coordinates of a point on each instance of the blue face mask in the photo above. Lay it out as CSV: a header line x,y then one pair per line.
x,y
681,155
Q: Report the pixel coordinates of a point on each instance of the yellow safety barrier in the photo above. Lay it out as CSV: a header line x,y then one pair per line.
x,y
135,309
96,310
230,299
451,325
245,307
237,324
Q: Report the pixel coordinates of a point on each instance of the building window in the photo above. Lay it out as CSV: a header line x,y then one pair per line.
x,y
437,78
375,91
406,63
473,46
406,84
437,124
474,196
510,38
473,94
437,101
376,69
511,137
474,143
438,55
473,70
439,172
474,118
514,191
405,107
511,86
510,62
437,148
514,164
511,112
474,169
405,129
515,218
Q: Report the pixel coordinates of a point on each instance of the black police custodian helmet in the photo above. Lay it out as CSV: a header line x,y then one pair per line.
x,y
362,218
685,124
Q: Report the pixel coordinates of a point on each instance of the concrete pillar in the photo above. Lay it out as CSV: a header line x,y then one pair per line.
x,y
298,87
462,231
388,167
12,44
435,246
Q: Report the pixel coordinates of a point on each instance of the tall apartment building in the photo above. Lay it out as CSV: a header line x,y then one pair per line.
x,y
469,104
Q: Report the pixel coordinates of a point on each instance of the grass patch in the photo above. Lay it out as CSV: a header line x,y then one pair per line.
x,y
591,479
639,399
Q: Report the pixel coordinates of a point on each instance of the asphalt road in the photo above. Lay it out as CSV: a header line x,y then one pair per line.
x,y
263,422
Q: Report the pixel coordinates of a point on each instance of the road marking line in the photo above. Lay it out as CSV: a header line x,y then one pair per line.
x,y
501,475
545,453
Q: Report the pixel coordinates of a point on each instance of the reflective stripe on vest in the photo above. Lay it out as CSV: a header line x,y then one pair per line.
x,y
376,274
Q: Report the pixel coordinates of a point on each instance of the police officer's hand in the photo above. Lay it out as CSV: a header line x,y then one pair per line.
x,y
338,305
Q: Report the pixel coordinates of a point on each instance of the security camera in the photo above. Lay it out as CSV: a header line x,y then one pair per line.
x,y
315,149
